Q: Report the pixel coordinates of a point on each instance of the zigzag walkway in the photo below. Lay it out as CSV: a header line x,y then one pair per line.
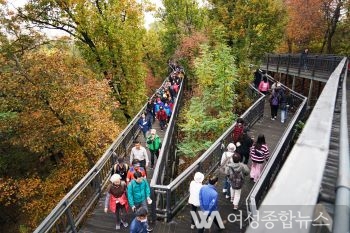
x,y
273,131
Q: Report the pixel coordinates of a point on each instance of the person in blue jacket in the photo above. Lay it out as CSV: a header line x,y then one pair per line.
x,y
208,198
139,224
144,124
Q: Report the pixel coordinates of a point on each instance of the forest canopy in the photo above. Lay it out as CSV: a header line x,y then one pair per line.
x,y
64,100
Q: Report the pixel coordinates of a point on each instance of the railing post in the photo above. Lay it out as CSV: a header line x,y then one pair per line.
x,y
314,68
300,61
278,62
267,63
71,219
288,63
168,205
153,206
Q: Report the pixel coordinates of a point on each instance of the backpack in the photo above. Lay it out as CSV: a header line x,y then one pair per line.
x,y
236,179
274,100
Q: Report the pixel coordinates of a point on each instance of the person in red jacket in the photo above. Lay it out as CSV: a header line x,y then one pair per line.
x,y
135,167
116,200
238,130
162,117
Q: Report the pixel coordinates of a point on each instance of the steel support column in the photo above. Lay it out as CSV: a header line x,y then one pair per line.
x,y
309,95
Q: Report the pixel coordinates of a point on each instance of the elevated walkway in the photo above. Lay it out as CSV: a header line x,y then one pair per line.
x,y
171,198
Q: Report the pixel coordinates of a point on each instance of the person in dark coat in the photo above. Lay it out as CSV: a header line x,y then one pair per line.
x,y
257,77
243,146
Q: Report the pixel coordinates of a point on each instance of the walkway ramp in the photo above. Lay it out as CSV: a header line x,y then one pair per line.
x,y
273,131
100,222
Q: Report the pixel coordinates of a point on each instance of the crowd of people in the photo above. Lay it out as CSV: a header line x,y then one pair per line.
x,y
128,188
234,165
279,98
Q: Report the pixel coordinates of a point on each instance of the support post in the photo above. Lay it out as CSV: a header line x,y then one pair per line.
x,y
310,93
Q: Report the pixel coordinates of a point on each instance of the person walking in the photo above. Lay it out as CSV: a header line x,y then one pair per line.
x,y
139,224
144,124
259,153
135,167
193,200
283,105
237,172
140,153
162,117
243,146
139,194
154,145
274,103
208,198
226,159
121,168
116,200
238,129
264,85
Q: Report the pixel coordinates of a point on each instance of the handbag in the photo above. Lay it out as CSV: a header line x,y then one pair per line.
x,y
223,169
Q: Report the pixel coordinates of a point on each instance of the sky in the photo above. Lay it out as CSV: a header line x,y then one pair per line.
x,y
52,33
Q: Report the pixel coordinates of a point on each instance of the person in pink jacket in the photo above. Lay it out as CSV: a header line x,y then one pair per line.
x,y
264,86
116,200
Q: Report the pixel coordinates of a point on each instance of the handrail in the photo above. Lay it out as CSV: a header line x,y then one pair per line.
x,y
319,66
342,205
65,215
298,182
171,197
277,157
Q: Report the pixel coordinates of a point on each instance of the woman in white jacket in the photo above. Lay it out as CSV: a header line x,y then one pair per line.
x,y
195,187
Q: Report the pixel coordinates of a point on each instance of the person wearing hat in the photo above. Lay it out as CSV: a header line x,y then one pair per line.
x,y
139,224
193,200
116,200
134,168
226,160
121,168
162,117
154,144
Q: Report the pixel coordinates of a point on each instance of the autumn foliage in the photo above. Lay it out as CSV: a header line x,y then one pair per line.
x,y
60,115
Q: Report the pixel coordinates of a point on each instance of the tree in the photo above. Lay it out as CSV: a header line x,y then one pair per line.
x,y
109,34
54,113
306,23
210,110
180,18
332,12
253,27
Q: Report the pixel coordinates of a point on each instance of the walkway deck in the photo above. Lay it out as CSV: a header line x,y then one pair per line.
x,y
99,222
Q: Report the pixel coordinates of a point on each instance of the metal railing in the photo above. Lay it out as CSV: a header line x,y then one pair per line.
x,y
317,65
172,197
278,156
72,209
297,186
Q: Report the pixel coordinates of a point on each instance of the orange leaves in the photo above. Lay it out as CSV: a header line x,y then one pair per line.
x,y
305,21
